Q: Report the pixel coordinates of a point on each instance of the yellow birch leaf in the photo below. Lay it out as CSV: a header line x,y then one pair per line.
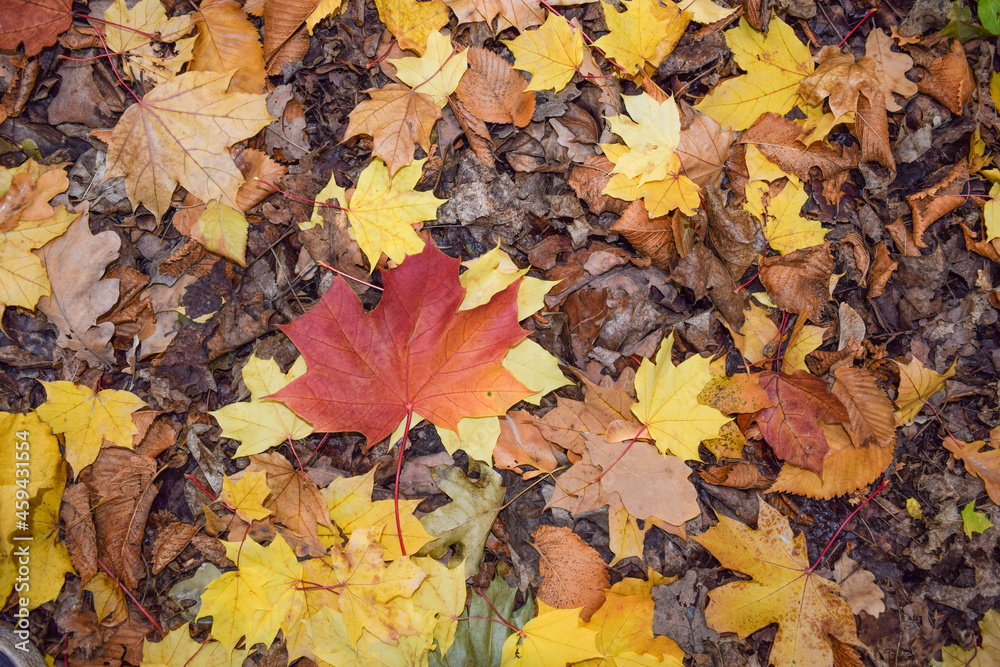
x,y
916,385
809,610
139,57
227,40
644,34
185,126
383,209
261,424
551,639
87,418
804,340
668,402
412,22
624,535
246,497
437,72
774,65
551,54
223,230
784,227
397,119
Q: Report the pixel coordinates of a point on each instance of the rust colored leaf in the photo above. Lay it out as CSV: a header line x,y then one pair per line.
x,y
778,139
792,427
938,200
170,542
736,474
414,351
573,573
521,443
799,282
652,237
570,420
703,147
949,79
588,182
872,422
872,130
397,119
882,269
81,536
124,482
36,23
983,463
493,91
286,39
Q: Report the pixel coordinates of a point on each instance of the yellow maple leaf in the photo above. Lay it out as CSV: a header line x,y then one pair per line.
x,y
261,424
246,497
349,502
331,644
87,418
668,402
383,209
126,33
643,35
676,191
551,639
442,597
397,119
110,604
808,609
43,470
705,11
27,222
774,65
986,653
651,134
226,41
625,538
412,22
804,340
177,649
758,337
493,272
784,227
186,126
551,54
437,72
477,437
624,627
916,385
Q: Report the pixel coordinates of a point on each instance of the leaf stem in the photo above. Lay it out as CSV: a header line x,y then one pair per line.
x,y
132,597
399,471
842,525
870,12
585,36
117,25
296,197
348,276
624,452
114,69
387,51
202,645
500,617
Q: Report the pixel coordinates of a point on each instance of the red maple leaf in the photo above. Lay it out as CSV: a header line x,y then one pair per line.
x,y
414,352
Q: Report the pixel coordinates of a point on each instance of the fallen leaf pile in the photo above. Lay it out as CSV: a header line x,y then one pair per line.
x,y
474,332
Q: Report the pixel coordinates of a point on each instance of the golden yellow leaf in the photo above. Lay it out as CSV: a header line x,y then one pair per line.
x,y
624,626
442,594
784,227
437,72
493,272
179,134
916,385
223,230
48,559
45,465
226,41
991,213
625,538
651,134
323,9
177,649
551,54
705,11
87,418
536,368
246,497
774,64
477,437
383,209
261,424
28,222
140,58
804,340
757,339
668,402
643,35
551,639
809,610
236,602
412,22
676,191
110,604
397,119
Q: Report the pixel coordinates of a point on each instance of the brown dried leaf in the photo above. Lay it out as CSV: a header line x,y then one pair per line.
x,y
871,127
493,91
286,39
170,542
862,260
588,182
652,237
799,282
521,443
226,41
566,425
778,139
731,232
949,79
859,587
839,80
397,119
983,463
574,574
882,269
476,133
792,427
938,200
872,422
124,482
845,468
703,147
81,536
737,475
575,490
704,274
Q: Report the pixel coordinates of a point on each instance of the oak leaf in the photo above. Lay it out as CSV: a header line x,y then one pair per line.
x,y
36,23
551,53
227,40
88,418
178,134
127,33
916,385
411,23
792,426
810,611
846,468
493,92
415,352
551,639
983,463
775,63
437,72
28,222
573,573
261,424
668,402
643,35
75,264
